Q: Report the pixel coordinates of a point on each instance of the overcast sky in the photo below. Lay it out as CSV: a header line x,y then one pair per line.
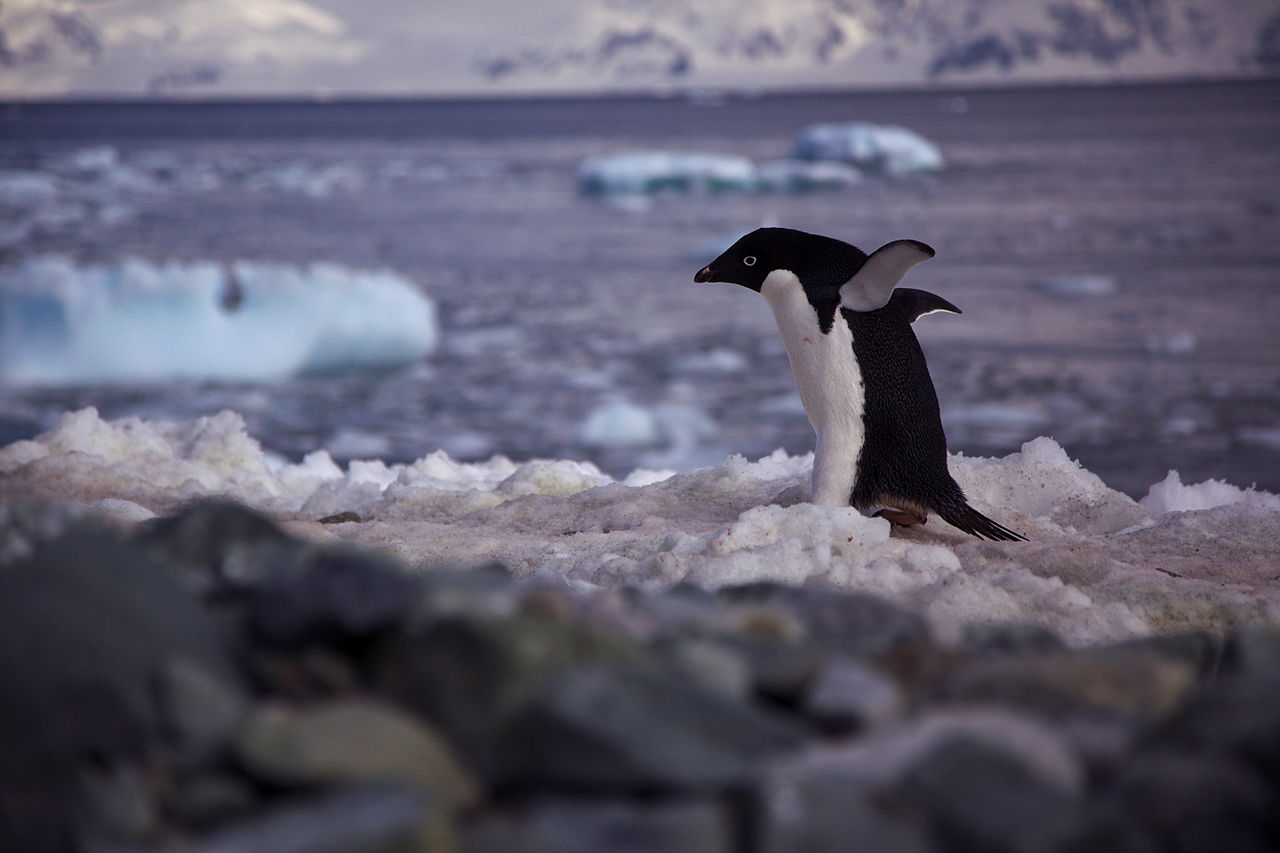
x,y
283,47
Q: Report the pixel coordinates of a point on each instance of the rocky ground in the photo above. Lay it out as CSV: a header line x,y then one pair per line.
x,y
210,683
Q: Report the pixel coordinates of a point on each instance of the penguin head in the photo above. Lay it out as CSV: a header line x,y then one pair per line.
x,y
827,269
818,262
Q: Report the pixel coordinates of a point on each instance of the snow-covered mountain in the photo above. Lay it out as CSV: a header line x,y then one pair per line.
x,y
57,47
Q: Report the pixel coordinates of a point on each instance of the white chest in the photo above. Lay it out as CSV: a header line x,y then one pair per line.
x,y
829,383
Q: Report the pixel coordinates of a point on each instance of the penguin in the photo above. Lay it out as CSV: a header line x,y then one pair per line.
x,y
861,374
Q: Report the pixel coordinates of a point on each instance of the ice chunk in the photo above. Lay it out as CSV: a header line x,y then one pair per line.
x,y
883,149
807,175
137,321
639,172
620,423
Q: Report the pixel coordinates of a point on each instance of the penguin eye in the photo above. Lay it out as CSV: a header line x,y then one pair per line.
x,y
749,260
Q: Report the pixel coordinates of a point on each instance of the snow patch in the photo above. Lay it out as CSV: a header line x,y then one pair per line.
x,y
1098,565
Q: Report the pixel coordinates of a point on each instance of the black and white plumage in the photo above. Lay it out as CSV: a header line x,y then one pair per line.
x,y
861,374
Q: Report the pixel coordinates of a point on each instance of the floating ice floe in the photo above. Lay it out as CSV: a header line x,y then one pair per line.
x,y
1098,566
806,176
139,321
881,149
640,172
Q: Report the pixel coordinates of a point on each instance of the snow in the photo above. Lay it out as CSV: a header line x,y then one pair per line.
x,y
882,149
806,176
1098,566
136,320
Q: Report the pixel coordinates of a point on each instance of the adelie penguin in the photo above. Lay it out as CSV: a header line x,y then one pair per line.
x,y
860,371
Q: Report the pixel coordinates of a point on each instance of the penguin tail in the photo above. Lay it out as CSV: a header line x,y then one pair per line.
x,y
964,517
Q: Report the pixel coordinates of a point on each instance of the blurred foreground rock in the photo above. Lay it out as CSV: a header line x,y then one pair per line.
x,y
213,684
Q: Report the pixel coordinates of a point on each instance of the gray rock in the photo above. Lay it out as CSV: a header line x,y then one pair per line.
x,y
983,639
981,797
222,544
829,813
627,728
1199,803
202,708
712,664
208,798
85,623
849,623
1136,682
335,594
379,819
353,741
616,826
118,802
472,674
849,695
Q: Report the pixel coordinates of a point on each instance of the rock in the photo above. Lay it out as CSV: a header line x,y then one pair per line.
x,y
848,696
1141,683
982,797
367,819
1251,651
616,728
822,813
1199,649
339,593
712,664
1238,715
118,802
982,639
617,826
85,623
848,623
1199,803
353,741
472,674
208,798
201,708
222,544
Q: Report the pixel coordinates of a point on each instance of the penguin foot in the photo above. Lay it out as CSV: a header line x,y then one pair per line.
x,y
900,517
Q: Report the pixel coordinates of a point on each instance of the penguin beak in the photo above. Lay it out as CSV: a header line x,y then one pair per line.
x,y
704,275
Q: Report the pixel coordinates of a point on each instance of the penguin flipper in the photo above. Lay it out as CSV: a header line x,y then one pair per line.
x,y
964,517
914,304
872,285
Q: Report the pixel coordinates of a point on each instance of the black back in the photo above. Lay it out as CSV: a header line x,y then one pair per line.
x,y
905,450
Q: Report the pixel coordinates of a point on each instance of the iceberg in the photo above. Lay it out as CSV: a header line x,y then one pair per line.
x,y
639,172
135,320
882,149
1098,567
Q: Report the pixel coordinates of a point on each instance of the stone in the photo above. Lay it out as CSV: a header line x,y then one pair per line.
x,y
117,801
982,639
830,813
849,623
849,695
222,544
353,740
202,709
1141,683
209,798
340,593
561,825
1199,803
85,623
712,664
982,797
471,674
364,819
630,728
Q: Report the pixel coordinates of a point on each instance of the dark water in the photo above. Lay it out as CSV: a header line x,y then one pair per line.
x,y
553,303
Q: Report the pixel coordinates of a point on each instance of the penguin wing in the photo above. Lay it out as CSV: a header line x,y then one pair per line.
x,y
912,304
873,284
